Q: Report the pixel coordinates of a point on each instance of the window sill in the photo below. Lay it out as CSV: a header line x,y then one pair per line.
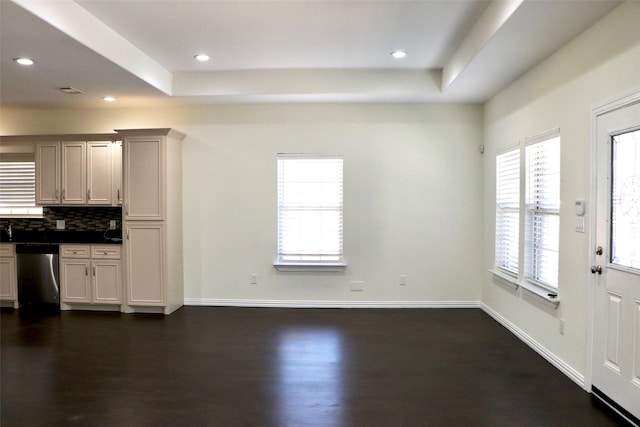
x,y
544,295
310,267
505,279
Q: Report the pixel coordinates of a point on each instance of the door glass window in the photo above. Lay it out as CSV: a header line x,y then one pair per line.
x,y
625,200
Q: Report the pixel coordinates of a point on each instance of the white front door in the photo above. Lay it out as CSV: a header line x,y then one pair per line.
x,y
616,259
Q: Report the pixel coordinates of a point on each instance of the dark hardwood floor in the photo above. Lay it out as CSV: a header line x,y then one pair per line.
x,y
209,366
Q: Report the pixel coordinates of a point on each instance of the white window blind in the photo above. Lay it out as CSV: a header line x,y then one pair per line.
x,y
508,211
309,209
18,186
542,212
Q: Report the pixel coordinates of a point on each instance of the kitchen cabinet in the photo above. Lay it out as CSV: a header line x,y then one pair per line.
x,y
145,178
90,274
78,173
8,275
145,263
99,173
47,160
117,190
152,166
74,173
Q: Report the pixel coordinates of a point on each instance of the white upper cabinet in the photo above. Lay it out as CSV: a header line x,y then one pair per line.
x,y
47,161
79,173
74,173
145,178
117,191
99,173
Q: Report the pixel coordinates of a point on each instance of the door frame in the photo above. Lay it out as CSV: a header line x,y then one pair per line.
x,y
629,99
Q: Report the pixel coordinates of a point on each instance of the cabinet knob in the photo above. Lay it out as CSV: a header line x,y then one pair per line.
x,y
75,252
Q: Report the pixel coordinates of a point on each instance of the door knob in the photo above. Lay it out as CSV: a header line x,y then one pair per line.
x,y
599,250
596,269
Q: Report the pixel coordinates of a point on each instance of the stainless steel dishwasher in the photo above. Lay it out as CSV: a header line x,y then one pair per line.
x,y
38,276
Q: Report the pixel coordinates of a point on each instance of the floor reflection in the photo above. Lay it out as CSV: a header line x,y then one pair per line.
x,y
310,382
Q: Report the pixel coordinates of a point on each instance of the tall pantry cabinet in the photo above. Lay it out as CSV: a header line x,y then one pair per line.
x,y
152,215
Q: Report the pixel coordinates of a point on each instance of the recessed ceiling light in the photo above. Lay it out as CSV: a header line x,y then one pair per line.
x,y
109,99
399,54
202,57
24,61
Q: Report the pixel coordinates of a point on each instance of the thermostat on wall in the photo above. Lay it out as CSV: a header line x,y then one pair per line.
x,y
579,207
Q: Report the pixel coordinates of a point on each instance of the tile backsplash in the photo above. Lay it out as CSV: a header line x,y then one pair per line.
x,y
76,219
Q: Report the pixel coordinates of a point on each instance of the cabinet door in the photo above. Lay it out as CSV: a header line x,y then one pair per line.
x,y
74,280
118,189
47,161
107,281
8,279
74,175
144,178
99,173
145,263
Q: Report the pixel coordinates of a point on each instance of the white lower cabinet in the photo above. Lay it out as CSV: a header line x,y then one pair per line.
x,y
8,275
90,274
145,263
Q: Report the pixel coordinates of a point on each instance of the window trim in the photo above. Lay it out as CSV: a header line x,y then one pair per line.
x,y
333,265
541,291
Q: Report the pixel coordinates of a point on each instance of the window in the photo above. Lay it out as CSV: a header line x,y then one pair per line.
x,y
542,204
625,200
508,211
18,186
309,209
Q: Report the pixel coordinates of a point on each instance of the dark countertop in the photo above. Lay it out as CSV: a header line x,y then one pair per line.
x,y
86,237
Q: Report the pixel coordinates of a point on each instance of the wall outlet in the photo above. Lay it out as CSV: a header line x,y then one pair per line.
x,y
253,279
356,285
60,224
403,280
112,224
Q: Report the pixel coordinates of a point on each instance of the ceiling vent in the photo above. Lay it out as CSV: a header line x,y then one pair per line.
x,y
70,90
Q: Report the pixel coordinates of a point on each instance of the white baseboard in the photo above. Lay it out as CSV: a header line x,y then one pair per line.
x,y
562,366
329,304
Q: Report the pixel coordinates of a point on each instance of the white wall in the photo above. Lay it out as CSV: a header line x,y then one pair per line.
x,y
600,65
413,192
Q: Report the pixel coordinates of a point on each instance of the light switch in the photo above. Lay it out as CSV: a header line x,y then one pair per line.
x,y
60,224
580,224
